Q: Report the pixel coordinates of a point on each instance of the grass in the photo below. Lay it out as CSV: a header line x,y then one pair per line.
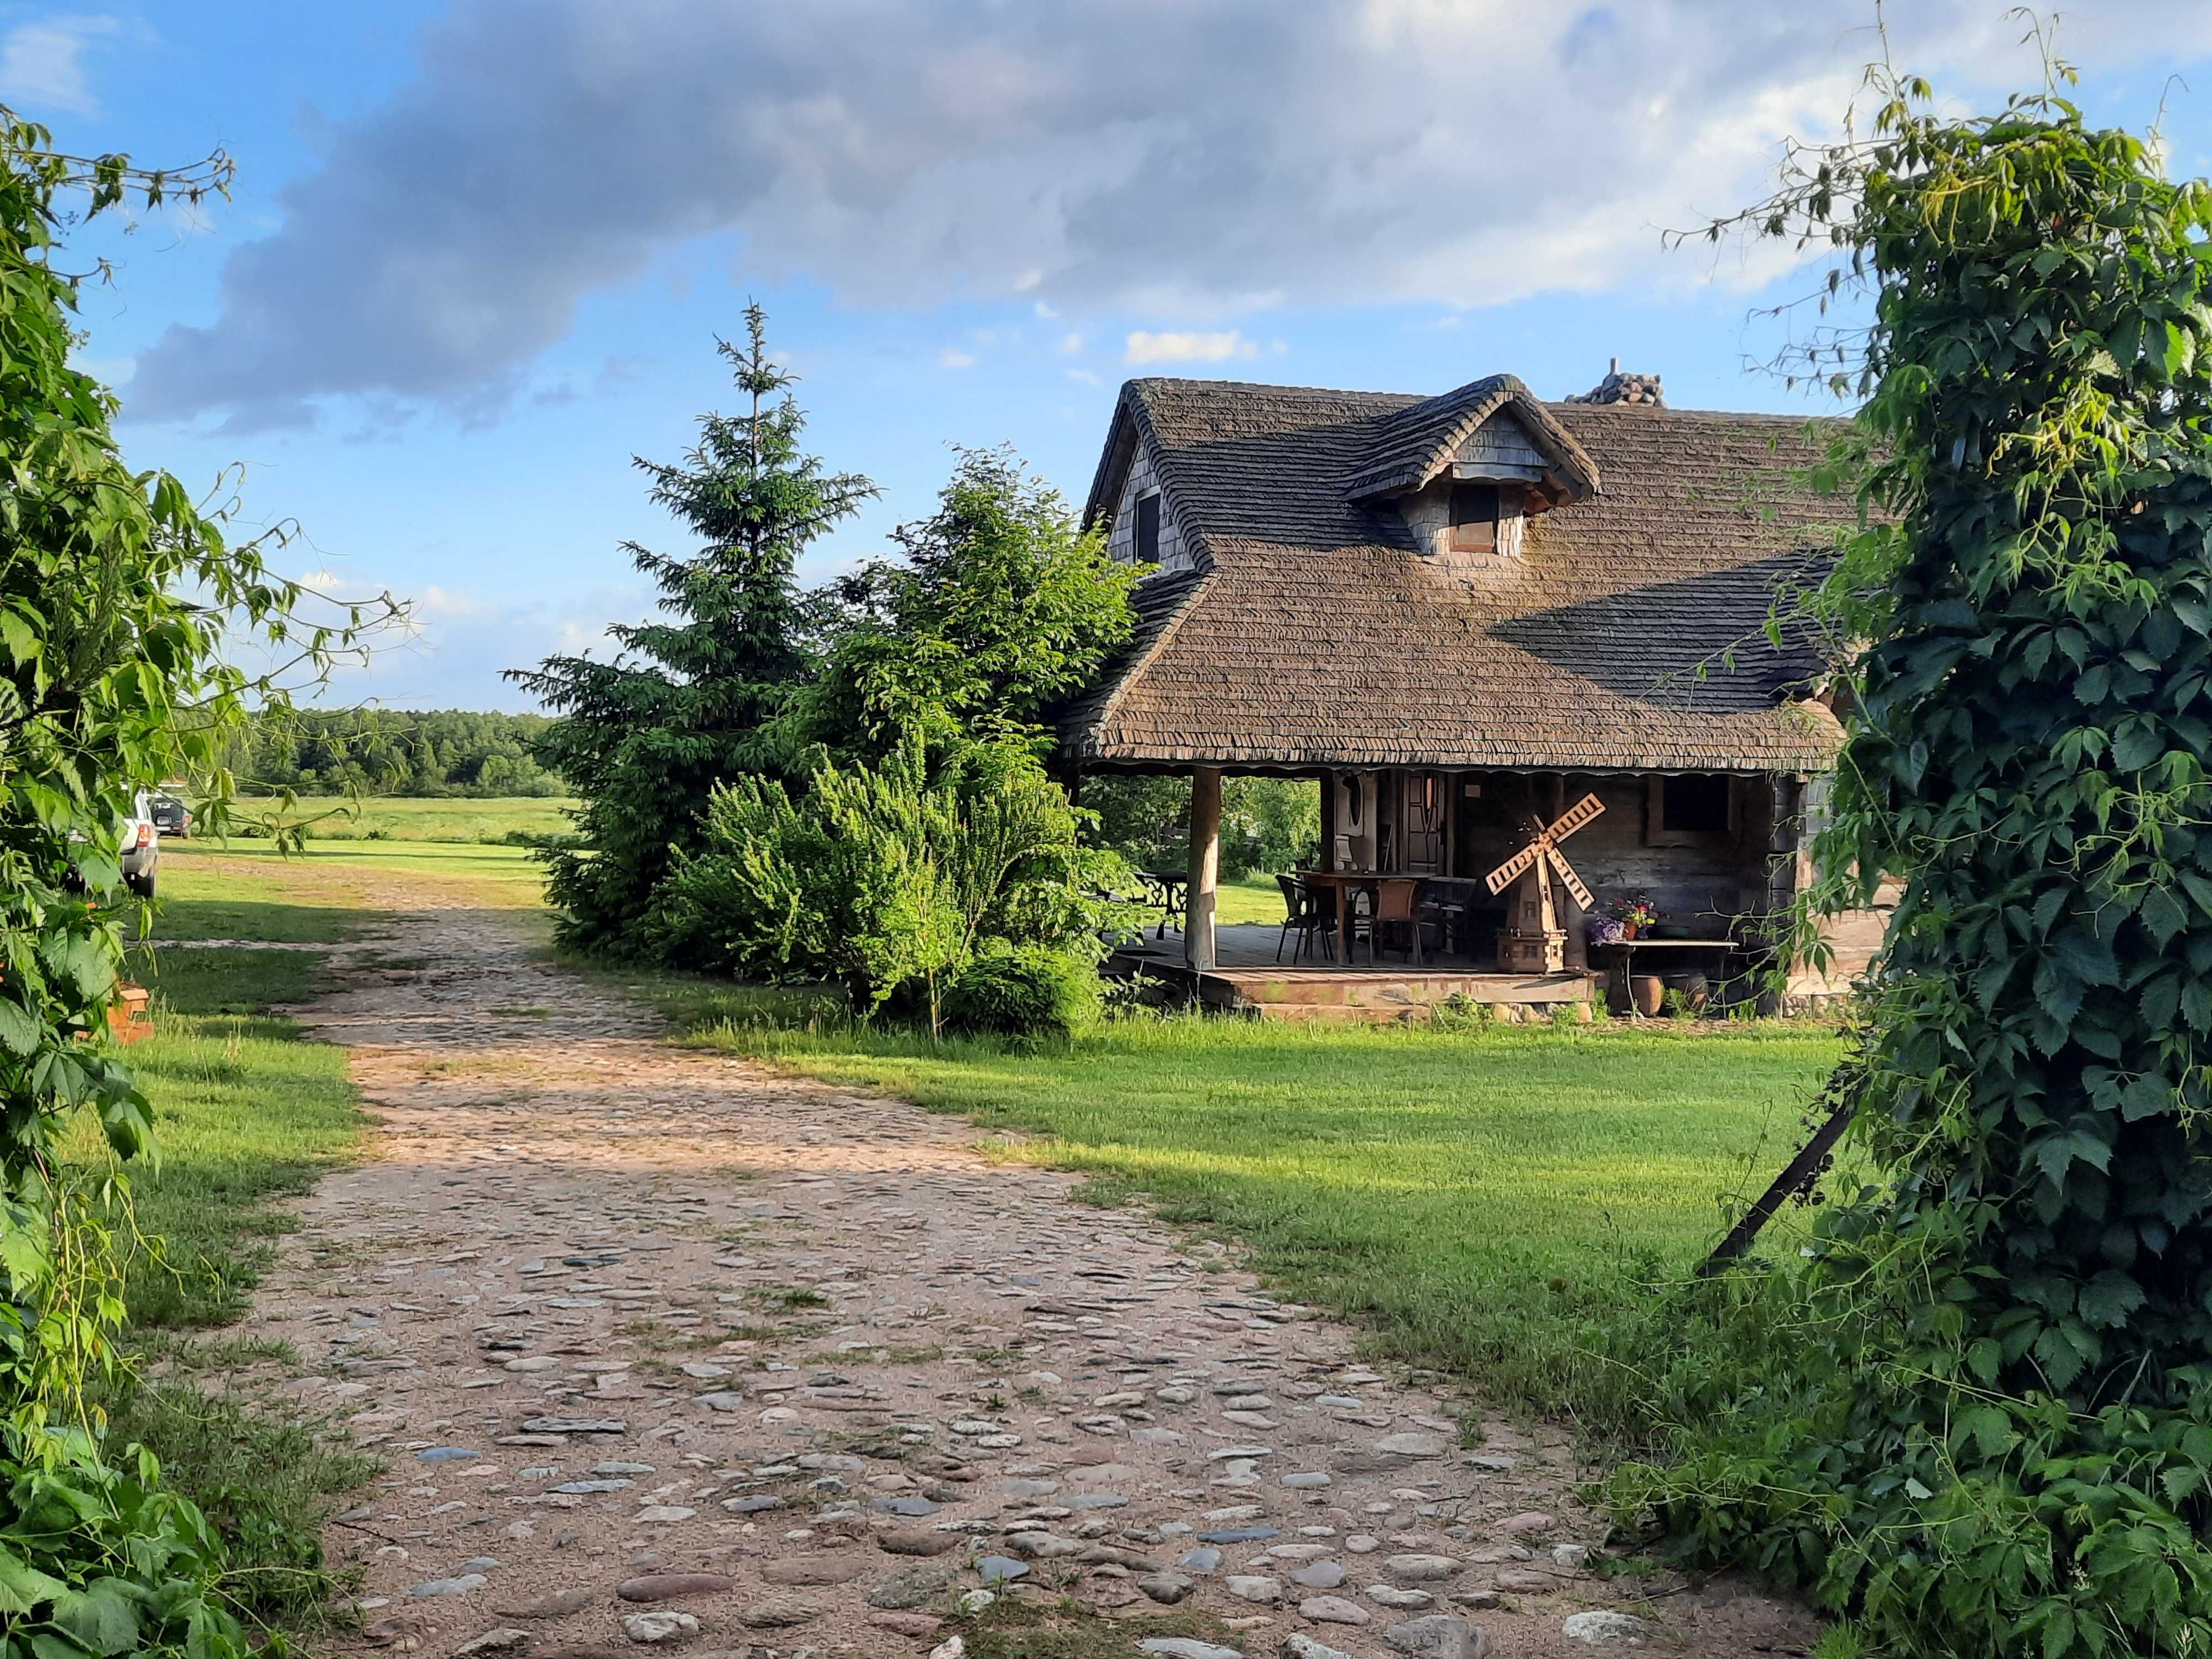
x,y
350,876
245,1114
1482,1198
395,817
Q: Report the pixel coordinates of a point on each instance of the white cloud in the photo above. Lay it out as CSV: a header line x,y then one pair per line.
x,y
951,357
41,64
1070,344
1186,160
1186,347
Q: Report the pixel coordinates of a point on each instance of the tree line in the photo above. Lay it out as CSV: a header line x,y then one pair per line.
x,y
419,752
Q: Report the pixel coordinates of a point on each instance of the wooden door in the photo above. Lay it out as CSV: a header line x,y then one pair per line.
x,y
1422,814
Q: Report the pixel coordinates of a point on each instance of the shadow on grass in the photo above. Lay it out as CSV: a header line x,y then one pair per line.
x,y
264,920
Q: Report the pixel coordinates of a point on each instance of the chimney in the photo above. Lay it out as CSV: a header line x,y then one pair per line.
x,y
1619,388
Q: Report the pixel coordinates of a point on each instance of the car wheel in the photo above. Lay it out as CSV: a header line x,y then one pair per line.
x,y
140,884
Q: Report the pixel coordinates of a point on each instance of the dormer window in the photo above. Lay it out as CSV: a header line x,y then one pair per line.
x,y
1474,518
1147,544
1486,517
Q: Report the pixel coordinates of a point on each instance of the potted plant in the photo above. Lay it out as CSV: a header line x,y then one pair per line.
x,y
1634,912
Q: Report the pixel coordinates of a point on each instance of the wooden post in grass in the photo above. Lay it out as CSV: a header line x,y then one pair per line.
x,y
1205,867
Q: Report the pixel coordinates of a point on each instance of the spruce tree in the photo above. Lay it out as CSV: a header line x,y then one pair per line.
x,y
691,698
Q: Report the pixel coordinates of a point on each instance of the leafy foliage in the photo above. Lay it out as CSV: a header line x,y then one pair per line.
x,y
1031,990
1000,608
693,700
1994,1436
887,879
119,597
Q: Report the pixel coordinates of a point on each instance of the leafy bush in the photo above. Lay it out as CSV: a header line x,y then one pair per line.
x,y
1031,990
887,879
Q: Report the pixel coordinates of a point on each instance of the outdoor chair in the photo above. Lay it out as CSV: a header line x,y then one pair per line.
x,y
1394,915
1308,913
1449,917
1167,891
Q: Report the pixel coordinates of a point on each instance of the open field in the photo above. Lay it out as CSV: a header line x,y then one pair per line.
x,y
1485,1199
402,817
205,883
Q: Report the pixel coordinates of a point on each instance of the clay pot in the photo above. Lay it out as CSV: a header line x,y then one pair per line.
x,y
1694,988
1649,993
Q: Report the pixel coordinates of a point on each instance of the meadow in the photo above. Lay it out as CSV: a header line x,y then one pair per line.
x,y
400,817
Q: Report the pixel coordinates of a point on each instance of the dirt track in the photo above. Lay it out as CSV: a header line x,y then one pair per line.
x,y
616,1311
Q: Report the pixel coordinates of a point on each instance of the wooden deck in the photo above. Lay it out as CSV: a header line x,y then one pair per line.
x,y
1248,980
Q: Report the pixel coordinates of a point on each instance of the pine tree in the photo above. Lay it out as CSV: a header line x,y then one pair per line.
x,y
691,698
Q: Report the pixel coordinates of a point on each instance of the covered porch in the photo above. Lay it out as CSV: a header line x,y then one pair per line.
x,y
1454,886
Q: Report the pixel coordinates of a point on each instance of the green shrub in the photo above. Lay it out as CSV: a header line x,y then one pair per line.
x,y
887,879
1025,991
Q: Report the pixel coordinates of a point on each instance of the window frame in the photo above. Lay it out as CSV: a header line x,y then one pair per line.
x,y
1655,833
1145,524
1475,533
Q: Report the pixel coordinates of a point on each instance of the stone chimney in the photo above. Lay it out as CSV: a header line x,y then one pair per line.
x,y
1619,388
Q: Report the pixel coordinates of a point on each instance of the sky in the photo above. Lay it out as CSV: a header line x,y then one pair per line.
x,y
478,252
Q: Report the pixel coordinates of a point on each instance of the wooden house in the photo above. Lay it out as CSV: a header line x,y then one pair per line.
x,y
1462,612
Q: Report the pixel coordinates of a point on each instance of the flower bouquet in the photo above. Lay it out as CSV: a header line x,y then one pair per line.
x,y
1604,930
1633,913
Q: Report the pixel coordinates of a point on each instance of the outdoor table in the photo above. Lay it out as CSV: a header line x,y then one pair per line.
x,y
1343,882
1624,956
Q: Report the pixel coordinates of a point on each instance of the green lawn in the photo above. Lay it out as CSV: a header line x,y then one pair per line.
x,y
397,817
341,876
1488,1199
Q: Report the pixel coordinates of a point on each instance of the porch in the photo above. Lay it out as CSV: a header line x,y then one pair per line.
x,y
1246,978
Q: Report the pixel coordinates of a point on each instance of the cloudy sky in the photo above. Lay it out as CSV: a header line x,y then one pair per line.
x,y
479,250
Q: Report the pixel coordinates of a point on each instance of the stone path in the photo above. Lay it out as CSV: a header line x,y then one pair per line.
x,y
662,1347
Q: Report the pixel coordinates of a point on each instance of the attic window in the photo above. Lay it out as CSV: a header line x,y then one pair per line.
x,y
1474,518
1147,546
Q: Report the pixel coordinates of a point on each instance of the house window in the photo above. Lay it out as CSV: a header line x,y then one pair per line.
x,y
1474,518
1691,806
1147,549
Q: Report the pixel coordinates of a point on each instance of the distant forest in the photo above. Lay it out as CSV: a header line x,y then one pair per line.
x,y
386,751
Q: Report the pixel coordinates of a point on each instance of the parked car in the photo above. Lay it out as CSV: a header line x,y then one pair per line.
x,y
171,817
142,847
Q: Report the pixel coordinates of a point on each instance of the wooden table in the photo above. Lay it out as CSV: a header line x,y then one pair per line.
x,y
1624,951
1344,881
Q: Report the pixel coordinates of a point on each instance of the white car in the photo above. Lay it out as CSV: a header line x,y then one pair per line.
x,y
142,847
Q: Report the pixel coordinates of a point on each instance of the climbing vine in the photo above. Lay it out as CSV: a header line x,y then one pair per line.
x,y
121,608
1996,1435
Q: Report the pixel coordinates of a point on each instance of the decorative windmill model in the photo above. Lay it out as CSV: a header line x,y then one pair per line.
x,y
1534,942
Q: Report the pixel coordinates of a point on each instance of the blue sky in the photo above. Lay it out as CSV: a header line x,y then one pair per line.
x,y
479,250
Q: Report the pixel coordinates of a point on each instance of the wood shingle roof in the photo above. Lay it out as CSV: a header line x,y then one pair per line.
x,y
1311,631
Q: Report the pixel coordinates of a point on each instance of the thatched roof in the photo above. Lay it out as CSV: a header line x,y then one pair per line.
x,y
1627,635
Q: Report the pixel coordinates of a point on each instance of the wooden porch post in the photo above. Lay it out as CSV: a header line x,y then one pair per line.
x,y
1205,867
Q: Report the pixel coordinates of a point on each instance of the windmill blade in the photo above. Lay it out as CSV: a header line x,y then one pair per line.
x,y
1575,818
1574,881
1509,871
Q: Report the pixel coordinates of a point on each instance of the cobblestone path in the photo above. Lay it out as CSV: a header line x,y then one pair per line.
x,y
666,1349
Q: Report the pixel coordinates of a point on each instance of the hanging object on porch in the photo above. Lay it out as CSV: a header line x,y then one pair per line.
x,y
1533,941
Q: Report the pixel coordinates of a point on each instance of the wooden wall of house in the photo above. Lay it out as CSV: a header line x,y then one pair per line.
x,y
1120,543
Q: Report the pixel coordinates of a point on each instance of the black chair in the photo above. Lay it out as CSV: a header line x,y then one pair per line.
x,y
1307,913
1167,891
